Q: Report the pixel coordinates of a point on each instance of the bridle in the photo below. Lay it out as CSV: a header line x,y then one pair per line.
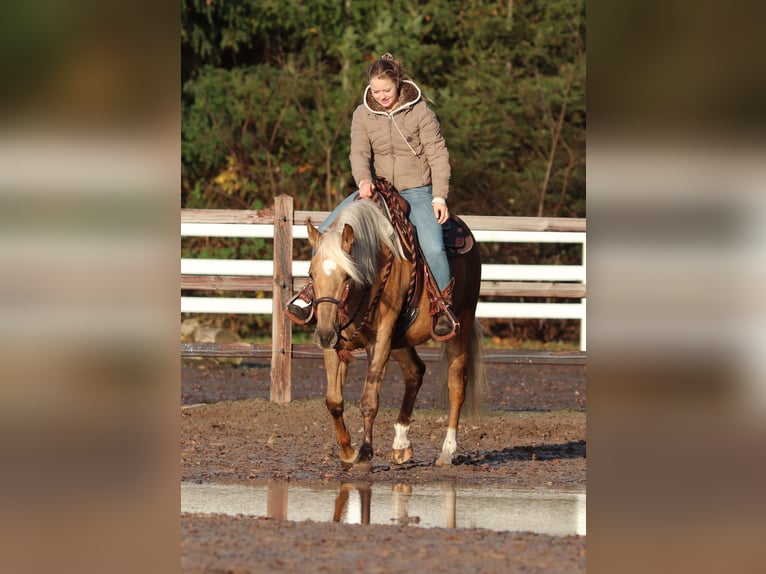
x,y
341,303
346,345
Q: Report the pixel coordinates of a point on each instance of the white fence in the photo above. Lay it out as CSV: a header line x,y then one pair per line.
x,y
559,281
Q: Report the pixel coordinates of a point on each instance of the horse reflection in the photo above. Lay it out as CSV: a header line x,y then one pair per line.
x,y
341,503
400,504
276,503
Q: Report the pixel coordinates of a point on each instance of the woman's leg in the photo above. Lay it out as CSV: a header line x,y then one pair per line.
x,y
429,232
445,325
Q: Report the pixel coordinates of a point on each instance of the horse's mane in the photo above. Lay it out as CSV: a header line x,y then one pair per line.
x,y
372,230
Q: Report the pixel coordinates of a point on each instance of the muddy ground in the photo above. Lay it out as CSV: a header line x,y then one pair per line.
x,y
532,435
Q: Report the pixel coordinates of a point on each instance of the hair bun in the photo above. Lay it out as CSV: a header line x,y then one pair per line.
x,y
387,56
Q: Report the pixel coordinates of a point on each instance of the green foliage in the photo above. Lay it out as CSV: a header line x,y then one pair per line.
x,y
514,73
269,87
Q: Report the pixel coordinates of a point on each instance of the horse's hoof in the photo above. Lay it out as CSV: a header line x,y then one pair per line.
x,y
401,455
348,463
444,460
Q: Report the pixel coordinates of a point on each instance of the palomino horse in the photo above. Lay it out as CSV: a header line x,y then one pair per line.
x,y
361,281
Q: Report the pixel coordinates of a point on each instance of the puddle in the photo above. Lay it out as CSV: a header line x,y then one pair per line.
x,y
557,513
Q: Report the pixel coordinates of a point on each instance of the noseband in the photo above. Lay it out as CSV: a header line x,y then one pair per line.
x,y
342,312
340,303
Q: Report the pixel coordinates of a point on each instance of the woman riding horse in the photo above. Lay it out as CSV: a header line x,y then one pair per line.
x,y
396,136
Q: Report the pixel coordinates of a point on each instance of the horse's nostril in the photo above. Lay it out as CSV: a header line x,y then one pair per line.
x,y
326,338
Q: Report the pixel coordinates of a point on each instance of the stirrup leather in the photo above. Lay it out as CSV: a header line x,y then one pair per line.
x,y
443,304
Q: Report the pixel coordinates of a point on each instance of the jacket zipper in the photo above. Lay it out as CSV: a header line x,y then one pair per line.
x,y
391,148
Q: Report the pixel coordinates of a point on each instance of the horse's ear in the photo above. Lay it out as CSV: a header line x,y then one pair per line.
x,y
347,238
313,233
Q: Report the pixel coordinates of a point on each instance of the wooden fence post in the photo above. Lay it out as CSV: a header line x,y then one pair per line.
x,y
281,330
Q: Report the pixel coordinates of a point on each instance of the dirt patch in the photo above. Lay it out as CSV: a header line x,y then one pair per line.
x,y
239,544
512,387
254,439
531,436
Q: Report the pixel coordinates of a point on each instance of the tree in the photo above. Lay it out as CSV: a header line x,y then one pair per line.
x,y
270,86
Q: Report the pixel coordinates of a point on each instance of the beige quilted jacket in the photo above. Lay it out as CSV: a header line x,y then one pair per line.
x,y
405,146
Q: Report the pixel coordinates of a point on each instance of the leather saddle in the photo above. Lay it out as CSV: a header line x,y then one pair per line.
x,y
457,241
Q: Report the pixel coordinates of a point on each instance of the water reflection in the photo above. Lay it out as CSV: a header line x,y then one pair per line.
x,y
400,504
442,505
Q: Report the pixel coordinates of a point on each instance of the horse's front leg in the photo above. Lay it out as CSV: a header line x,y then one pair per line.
x,y
336,378
377,360
413,370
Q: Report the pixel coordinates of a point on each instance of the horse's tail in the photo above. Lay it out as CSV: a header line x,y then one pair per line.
x,y
476,373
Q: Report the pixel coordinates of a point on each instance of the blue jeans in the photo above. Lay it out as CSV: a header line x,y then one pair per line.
x,y
428,228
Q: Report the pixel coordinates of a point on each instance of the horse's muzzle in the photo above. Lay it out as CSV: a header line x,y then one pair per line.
x,y
326,338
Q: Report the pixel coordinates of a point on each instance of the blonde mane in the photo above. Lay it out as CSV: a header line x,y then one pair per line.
x,y
372,230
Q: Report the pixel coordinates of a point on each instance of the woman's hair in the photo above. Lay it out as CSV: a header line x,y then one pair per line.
x,y
387,67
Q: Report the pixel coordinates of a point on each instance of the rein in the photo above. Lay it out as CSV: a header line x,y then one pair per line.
x,y
345,346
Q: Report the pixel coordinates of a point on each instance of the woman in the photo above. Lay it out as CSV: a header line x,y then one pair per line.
x,y
395,135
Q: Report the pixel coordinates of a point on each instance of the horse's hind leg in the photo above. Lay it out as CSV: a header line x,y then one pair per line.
x,y
336,377
457,357
413,370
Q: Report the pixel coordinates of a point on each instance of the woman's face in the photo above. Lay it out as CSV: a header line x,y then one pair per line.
x,y
385,92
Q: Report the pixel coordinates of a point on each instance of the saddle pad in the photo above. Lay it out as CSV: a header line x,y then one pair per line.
x,y
457,237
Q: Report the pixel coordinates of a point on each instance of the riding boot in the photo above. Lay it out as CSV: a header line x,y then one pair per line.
x,y
302,314
445,324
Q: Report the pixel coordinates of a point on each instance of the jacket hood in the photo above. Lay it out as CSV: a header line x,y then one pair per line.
x,y
409,95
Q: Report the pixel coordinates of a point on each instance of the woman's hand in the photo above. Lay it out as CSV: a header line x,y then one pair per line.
x,y
441,211
365,189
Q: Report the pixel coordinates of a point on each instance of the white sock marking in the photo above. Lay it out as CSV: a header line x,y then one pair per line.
x,y
400,437
450,442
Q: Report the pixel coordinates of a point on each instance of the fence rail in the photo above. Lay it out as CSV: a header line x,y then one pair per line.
x,y
283,276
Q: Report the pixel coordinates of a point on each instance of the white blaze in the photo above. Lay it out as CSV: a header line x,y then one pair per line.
x,y
328,266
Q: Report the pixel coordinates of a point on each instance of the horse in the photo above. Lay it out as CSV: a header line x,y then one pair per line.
x,y
361,279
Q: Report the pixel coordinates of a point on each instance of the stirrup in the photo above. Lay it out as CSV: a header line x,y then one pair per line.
x,y
301,315
441,307
445,310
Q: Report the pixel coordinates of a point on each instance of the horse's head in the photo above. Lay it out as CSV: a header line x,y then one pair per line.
x,y
329,272
346,262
